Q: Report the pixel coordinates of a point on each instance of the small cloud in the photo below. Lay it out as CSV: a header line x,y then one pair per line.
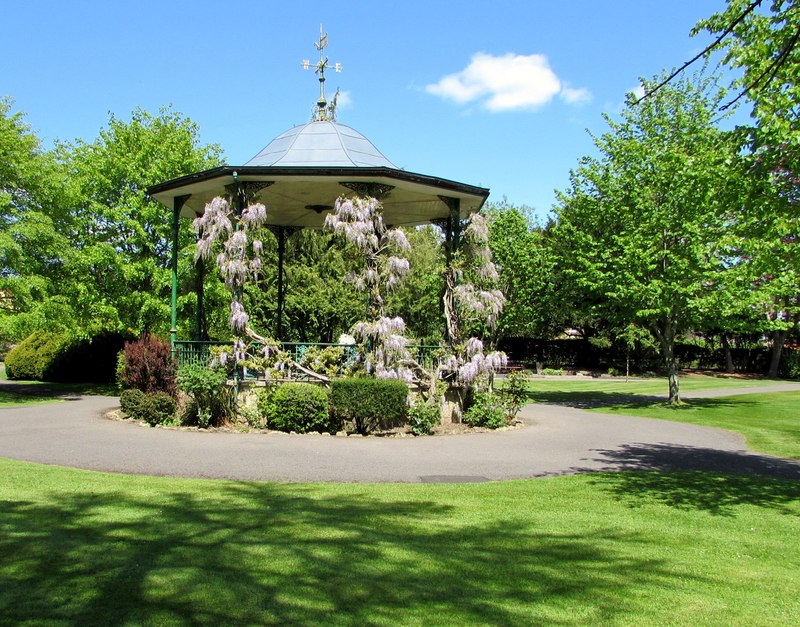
x,y
343,100
507,83
638,91
570,95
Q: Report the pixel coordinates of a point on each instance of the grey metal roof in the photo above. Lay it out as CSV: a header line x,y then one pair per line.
x,y
322,143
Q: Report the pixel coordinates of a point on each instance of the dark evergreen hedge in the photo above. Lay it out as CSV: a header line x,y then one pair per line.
x,y
59,357
369,404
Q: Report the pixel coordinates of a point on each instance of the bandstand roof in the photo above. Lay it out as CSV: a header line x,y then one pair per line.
x,y
309,166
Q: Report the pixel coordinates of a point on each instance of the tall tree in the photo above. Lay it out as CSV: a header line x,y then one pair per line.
x,y
764,45
123,233
643,221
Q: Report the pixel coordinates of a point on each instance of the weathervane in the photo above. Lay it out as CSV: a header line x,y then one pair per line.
x,y
323,111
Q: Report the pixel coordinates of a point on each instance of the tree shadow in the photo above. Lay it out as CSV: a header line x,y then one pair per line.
x,y
266,554
589,400
706,479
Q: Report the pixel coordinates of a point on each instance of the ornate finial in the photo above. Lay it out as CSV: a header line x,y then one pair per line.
x,y
323,110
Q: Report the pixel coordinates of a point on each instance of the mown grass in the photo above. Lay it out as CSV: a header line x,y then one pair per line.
x,y
10,399
578,390
86,548
770,423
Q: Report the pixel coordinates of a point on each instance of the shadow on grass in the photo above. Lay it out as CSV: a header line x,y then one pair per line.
x,y
264,554
700,478
65,391
689,404
589,400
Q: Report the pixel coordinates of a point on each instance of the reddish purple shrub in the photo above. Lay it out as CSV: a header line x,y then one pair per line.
x,y
148,365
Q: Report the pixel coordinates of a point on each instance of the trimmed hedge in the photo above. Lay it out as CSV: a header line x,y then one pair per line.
x,y
156,409
369,404
300,407
47,356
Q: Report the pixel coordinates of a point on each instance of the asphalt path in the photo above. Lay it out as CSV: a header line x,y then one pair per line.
x,y
555,440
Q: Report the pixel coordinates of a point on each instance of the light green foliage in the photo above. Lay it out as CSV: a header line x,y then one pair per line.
x,y
555,372
417,299
329,360
299,407
81,246
33,358
515,392
765,50
640,228
423,416
487,410
527,271
209,390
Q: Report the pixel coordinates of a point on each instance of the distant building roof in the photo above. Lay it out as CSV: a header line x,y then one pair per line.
x,y
321,144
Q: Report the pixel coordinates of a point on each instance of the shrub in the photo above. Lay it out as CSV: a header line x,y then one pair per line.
x,y
300,407
157,408
46,356
33,357
328,361
487,410
208,387
423,417
790,364
515,392
148,365
369,403
131,402
553,371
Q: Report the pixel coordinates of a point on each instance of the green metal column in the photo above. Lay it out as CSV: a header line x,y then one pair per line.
x,y
177,205
200,314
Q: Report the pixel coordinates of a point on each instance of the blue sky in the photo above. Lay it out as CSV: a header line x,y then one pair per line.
x,y
497,94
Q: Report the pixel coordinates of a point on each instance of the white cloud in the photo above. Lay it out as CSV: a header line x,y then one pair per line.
x,y
343,99
637,91
570,95
506,83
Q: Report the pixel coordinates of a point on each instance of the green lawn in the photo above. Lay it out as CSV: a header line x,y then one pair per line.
x,y
770,423
83,548
608,390
10,399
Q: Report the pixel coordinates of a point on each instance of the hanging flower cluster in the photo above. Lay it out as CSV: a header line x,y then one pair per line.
x,y
472,302
239,259
387,337
360,222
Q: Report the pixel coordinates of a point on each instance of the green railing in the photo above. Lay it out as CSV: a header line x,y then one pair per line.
x,y
191,351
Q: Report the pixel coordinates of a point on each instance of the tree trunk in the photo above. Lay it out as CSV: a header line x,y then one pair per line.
x,y
666,337
778,339
726,347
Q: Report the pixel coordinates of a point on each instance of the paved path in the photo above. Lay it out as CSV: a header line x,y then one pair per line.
x,y
555,440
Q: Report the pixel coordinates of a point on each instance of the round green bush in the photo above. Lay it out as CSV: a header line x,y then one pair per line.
x,y
48,356
157,408
488,411
423,417
300,407
131,401
32,358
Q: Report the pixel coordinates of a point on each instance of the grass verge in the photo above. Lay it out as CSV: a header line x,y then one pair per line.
x,y
768,422
616,549
10,399
611,390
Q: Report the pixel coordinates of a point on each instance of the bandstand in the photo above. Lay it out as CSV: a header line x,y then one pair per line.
x,y
299,175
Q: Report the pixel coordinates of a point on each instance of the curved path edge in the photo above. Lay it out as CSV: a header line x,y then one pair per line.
x,y
555,440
